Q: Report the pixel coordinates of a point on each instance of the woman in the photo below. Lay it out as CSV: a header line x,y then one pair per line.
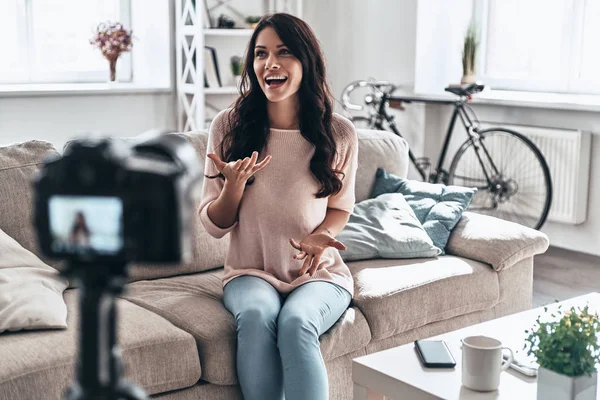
x,y
80,233
281,168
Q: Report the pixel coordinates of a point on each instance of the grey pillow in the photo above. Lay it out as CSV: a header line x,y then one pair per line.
x,y
385,227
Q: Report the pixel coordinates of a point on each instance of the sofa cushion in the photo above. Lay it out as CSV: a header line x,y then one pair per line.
x,y
398,295
495,241
378,149
194,304
18,165
41,364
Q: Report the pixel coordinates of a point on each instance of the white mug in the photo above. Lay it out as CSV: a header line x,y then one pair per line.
x,y
482,362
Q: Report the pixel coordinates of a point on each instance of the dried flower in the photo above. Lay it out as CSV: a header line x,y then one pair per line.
x,y
112,39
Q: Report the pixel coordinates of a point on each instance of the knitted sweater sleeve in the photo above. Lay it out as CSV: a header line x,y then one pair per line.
x,y
347,162
211,188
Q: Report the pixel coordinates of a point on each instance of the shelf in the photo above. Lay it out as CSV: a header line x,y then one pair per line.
x,y
228,32
221,90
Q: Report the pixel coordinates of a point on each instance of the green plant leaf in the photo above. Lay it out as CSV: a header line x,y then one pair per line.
x,y
568,345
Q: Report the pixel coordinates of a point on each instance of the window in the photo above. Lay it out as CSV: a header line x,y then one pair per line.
x,y
540,45
47,41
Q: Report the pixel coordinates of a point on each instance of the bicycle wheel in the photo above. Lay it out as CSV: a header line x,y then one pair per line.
x,y
363,122
510,173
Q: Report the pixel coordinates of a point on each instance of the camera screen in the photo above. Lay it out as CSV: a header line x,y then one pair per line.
x,y
86,223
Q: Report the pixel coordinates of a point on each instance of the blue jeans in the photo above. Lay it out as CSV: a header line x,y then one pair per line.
x,y
278,336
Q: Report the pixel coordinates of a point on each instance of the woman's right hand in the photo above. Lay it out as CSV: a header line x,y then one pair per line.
x,y
238,172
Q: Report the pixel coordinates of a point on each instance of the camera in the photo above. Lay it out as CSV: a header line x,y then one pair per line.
x,y
102,204
113,200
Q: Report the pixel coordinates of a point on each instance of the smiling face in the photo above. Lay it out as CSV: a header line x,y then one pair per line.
x,y
278,71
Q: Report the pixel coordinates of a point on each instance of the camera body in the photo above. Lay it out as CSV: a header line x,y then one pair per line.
x,y
108,201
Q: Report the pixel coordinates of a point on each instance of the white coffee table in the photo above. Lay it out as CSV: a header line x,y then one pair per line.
x,y
396,373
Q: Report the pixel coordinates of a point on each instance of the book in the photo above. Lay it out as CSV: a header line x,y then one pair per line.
x,y
211,68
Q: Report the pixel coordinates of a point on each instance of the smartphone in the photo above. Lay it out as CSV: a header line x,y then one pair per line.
x,y
434,354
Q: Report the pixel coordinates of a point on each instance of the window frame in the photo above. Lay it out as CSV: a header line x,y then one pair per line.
x,y
27,73
571,59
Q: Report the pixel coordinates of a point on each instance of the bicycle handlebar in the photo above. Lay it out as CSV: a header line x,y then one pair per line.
x,y
377,85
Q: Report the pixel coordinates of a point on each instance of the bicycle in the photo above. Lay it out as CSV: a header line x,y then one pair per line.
x,y
507,168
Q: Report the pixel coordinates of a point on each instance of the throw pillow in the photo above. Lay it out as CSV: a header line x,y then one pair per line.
x,y
438,207
30,291
385,227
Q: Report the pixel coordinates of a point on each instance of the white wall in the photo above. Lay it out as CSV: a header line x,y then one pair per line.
x,y
364,39
59,118
370,39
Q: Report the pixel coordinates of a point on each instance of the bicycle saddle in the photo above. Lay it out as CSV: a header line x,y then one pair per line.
x,y
465,90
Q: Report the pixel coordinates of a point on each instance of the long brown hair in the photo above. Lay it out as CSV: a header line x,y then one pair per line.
x,y
248,128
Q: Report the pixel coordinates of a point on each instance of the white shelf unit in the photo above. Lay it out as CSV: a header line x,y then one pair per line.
x,y
222,90
228,32
197,105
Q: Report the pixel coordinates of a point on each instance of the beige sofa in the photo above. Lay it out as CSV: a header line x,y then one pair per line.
x,y
179,341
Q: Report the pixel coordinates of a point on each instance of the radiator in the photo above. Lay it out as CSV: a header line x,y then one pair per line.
x,y
567,153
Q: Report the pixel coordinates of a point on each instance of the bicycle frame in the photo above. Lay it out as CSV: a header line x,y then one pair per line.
x,y
439,174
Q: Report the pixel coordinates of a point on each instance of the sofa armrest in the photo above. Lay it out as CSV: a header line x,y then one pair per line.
x,y
494,241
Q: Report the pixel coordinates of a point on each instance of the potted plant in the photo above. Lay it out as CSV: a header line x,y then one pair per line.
x,y
567,351
469,55
252,20
236,65
112,39
236,69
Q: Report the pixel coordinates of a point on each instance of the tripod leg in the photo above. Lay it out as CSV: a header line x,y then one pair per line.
x,y
128,391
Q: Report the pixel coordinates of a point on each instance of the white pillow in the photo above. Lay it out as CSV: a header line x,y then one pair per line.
x,y
30,291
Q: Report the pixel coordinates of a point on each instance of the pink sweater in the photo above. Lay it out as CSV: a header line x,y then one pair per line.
x,y
281,204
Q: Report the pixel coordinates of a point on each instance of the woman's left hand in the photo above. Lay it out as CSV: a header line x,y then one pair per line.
x,y
311,249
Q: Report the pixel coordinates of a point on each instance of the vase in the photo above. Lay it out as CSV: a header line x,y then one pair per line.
x,y
112,64
470,78
554,386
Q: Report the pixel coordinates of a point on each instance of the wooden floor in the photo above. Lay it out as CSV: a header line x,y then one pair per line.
x,y
561,274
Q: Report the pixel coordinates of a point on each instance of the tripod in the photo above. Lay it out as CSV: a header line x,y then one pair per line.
x,y
100,365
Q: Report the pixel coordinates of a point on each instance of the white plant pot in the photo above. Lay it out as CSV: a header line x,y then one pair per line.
x,y
555,386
